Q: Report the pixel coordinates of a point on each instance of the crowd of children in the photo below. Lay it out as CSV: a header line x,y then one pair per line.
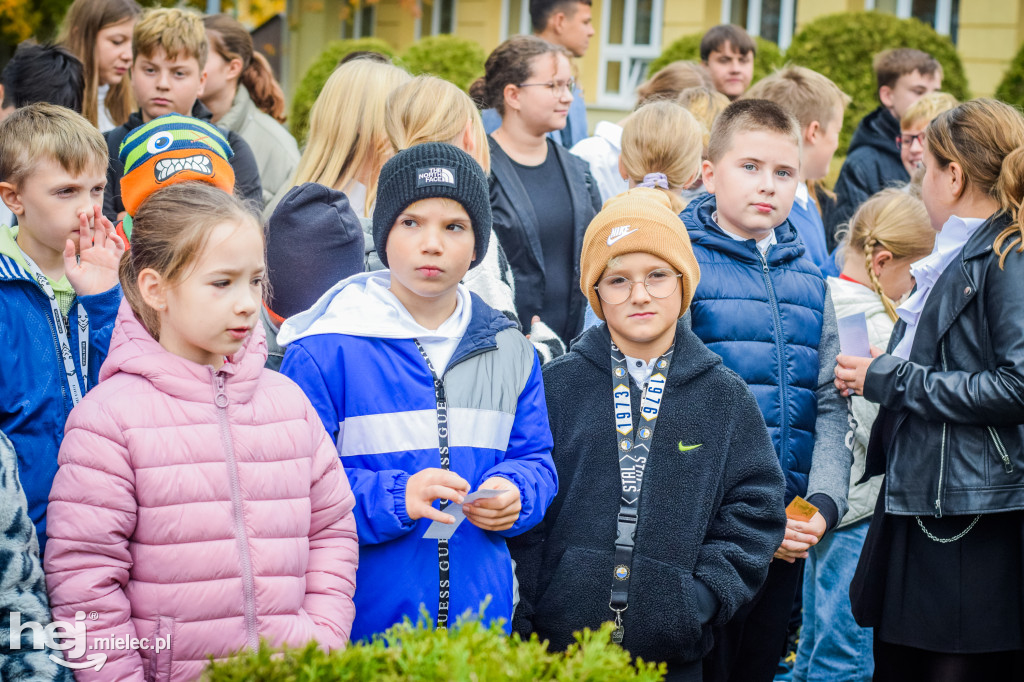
x,y
257,395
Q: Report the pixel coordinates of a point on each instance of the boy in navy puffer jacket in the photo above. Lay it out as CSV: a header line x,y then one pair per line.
x,y
765,309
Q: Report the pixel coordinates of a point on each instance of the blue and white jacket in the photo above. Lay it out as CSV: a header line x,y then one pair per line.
x,y
354,355
35,399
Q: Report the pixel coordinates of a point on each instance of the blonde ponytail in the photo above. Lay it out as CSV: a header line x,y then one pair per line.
x,y
896,222
662,138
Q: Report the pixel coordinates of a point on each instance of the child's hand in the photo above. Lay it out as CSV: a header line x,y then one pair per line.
x,y
851,372
495,513
428,485
99,255
800,536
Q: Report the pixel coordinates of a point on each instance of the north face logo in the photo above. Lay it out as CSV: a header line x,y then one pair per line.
x,y
435,176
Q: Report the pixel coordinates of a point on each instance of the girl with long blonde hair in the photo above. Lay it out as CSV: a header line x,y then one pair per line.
x,y
347,143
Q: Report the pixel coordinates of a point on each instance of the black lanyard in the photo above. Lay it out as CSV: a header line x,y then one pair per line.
x,y
632,462
443,556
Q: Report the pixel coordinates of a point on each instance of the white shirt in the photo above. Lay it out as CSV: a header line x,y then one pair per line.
x,y
948,245
602,153
762,245
103,120
640,370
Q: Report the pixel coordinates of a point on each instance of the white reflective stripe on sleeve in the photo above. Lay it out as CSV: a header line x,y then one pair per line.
x,y
417,430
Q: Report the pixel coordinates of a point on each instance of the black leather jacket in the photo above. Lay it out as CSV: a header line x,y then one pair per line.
x,y
950,435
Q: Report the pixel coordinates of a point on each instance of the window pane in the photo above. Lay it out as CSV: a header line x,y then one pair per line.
x,y
446,23
644,17
365,18
738,14
954,20
923,10
770,11
615,22
887,6
637,69
613,80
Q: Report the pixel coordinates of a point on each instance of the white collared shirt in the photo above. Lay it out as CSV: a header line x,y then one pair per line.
x,y
948,245
640,370
762,245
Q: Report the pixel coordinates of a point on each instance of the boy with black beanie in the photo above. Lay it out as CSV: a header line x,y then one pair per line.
x,y
430,394
672,493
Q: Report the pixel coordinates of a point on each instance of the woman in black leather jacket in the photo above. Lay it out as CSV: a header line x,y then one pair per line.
x,y
941,578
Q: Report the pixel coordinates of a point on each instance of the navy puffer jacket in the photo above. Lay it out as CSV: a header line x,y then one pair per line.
x,y
763,316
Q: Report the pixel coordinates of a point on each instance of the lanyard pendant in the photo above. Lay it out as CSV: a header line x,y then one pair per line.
x,y
619,632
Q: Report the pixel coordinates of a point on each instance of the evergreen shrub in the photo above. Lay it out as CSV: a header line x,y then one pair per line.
x,y
468,652
454,59
842,47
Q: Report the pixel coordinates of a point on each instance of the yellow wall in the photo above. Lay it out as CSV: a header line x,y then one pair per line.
x,y
989,35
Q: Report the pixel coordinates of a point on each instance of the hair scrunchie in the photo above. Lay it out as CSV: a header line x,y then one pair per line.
x,y
653,180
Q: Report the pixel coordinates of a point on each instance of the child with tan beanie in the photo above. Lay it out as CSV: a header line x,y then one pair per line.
x,y
640,405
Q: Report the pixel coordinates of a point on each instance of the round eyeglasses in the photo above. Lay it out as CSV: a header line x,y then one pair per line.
x,y
615,289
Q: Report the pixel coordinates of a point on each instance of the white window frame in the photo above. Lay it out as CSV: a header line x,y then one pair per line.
x,y
354,25
525,28
435,18
787,18
630,75
943,13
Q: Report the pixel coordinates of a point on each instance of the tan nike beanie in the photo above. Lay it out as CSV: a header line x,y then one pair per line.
x,y
638,221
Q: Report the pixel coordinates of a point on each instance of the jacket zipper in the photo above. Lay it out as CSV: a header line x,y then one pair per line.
x,y
248,584
783,393
942,449
1003,455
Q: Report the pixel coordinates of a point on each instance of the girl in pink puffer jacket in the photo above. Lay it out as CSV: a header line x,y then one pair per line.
x,y
200,505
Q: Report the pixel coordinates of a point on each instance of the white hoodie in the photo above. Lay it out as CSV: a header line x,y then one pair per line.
x,y
363,305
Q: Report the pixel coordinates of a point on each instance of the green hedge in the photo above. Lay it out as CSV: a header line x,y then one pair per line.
x,y
1011,88
469,652
454,59
318,73
767,59
842,47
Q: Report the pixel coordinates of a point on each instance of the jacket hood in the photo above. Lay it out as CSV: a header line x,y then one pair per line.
x,y
705,232
878,129
691,357
362,306
134,351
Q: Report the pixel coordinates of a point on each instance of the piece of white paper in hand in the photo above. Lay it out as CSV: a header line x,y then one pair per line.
x,y
443,531
853,335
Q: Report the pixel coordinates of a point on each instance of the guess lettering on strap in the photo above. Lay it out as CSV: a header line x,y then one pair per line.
x,y
443,555
64,336
632,454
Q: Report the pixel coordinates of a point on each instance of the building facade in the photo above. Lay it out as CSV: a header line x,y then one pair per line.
x,y
630,33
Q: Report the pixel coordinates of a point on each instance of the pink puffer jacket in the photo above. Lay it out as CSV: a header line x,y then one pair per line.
x,y
206,505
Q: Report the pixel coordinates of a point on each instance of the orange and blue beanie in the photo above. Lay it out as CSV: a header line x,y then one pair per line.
x,y
168,150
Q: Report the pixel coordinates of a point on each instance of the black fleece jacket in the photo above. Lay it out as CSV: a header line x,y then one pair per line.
x,y
710,517
247,173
